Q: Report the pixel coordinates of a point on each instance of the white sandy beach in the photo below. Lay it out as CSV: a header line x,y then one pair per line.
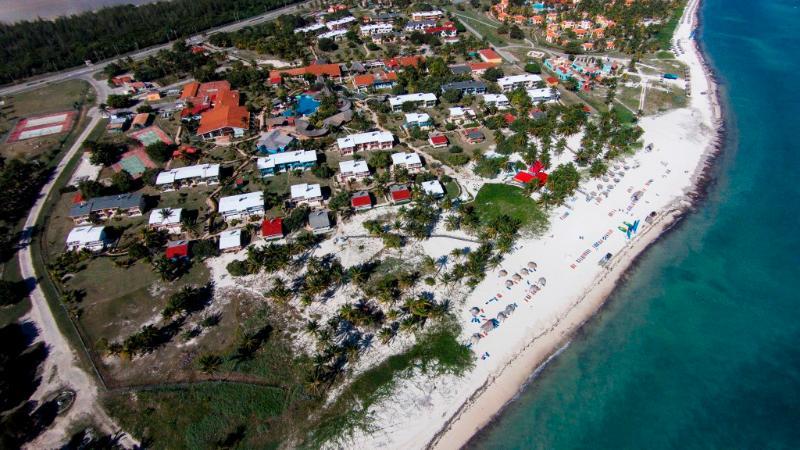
x,y
445,412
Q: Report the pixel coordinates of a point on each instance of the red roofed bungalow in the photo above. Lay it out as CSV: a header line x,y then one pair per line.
x,y
318,70
490,56
198,49
403,61
272,229
177,249
552,81
438,140
361,200
400,194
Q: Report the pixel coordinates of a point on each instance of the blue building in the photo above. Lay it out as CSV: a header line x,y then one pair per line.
x,y
282,162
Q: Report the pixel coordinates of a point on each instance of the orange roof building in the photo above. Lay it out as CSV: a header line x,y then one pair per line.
x,y
318,70
403,61
490,56
377,80
226,117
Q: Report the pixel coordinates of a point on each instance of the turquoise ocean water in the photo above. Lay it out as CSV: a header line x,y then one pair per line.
x,y
701,347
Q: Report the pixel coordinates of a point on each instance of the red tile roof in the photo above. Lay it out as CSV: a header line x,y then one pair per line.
x,y
400,195
488,54
178,250
372,78
272,228
523,177
478,66
439,139
404,61
224,116
331,70
361,200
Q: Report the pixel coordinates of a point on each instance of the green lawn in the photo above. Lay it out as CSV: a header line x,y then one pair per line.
x,y
494,200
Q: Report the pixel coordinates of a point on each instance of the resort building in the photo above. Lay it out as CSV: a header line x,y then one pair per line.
x,y
166,219
230,241
474,136
286,161
427,15
418,25
409,161
375,140
188,176
225,116
242,207
273,142
490,56
310,28
527,81
340,24
399,193
103,208
333,71
433,188
335,35
498,101
465,87
91,238
438,140
361,201
319,222
307,194
401,62
374,81
353,170
421,100
376,28
459,115
418,120
177,249
543,94
272,229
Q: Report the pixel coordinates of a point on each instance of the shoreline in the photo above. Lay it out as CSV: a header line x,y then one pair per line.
x,y
486,403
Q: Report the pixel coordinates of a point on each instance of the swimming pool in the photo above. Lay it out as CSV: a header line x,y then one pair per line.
x,y
306,105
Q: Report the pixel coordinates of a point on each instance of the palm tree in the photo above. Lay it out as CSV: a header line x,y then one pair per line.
x,y
209,363
457,253
312,327
386,335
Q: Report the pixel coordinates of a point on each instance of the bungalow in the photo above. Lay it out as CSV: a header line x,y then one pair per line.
x,y
242,207
374,81
527,81
448,32
474,136
490,56
465,87
167,219
286,161
188,176
384,18
226,116
361,201
478,68
102,208
587,46
422,100
272,229
336,35
499,101
177,249
378,28
418,25
319,222
307,194
230,240
418,120
401,62
438,140
273,142
433,188
375,140
411,162
340,24
89,237
353,170
399,193
460,69
543,94
459,115
427,15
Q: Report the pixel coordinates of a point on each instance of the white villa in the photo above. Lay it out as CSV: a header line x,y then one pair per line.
x,y
242,207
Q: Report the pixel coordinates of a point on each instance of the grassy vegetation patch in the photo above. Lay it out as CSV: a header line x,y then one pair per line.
x,y
494,200
664,36
205,416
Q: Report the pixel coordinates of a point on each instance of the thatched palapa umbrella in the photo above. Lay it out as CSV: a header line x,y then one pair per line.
x,y
509,283
517,277
532,265
542,281
503,272
510,309
501,317
487,326
475,311
524,271
475,338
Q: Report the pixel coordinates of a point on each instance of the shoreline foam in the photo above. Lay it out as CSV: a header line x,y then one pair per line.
x,y
471,417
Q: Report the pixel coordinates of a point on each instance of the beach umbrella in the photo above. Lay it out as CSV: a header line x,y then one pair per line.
x,y
503,272
475,311
510,309
532,265
509,283
501,317
487,326
524,271
475,338
542,281
599,185
517,277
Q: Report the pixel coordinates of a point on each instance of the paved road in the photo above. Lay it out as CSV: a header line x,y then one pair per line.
x,y
61,368
86,71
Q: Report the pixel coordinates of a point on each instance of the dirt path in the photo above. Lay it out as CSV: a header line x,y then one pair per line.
x,y
61,369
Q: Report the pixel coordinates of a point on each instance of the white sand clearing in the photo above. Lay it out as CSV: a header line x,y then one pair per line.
x,y
445,412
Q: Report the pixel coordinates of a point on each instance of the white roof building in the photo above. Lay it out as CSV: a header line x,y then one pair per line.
x,y
459,112
165,217
201,171
433,188
426,98
333,24
88,237
354,140
333,34
542,94
279,161
353,168
230,239
310,28
242,205
422,15
306,192
515,81
405,159
378,28
415,118
498,100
